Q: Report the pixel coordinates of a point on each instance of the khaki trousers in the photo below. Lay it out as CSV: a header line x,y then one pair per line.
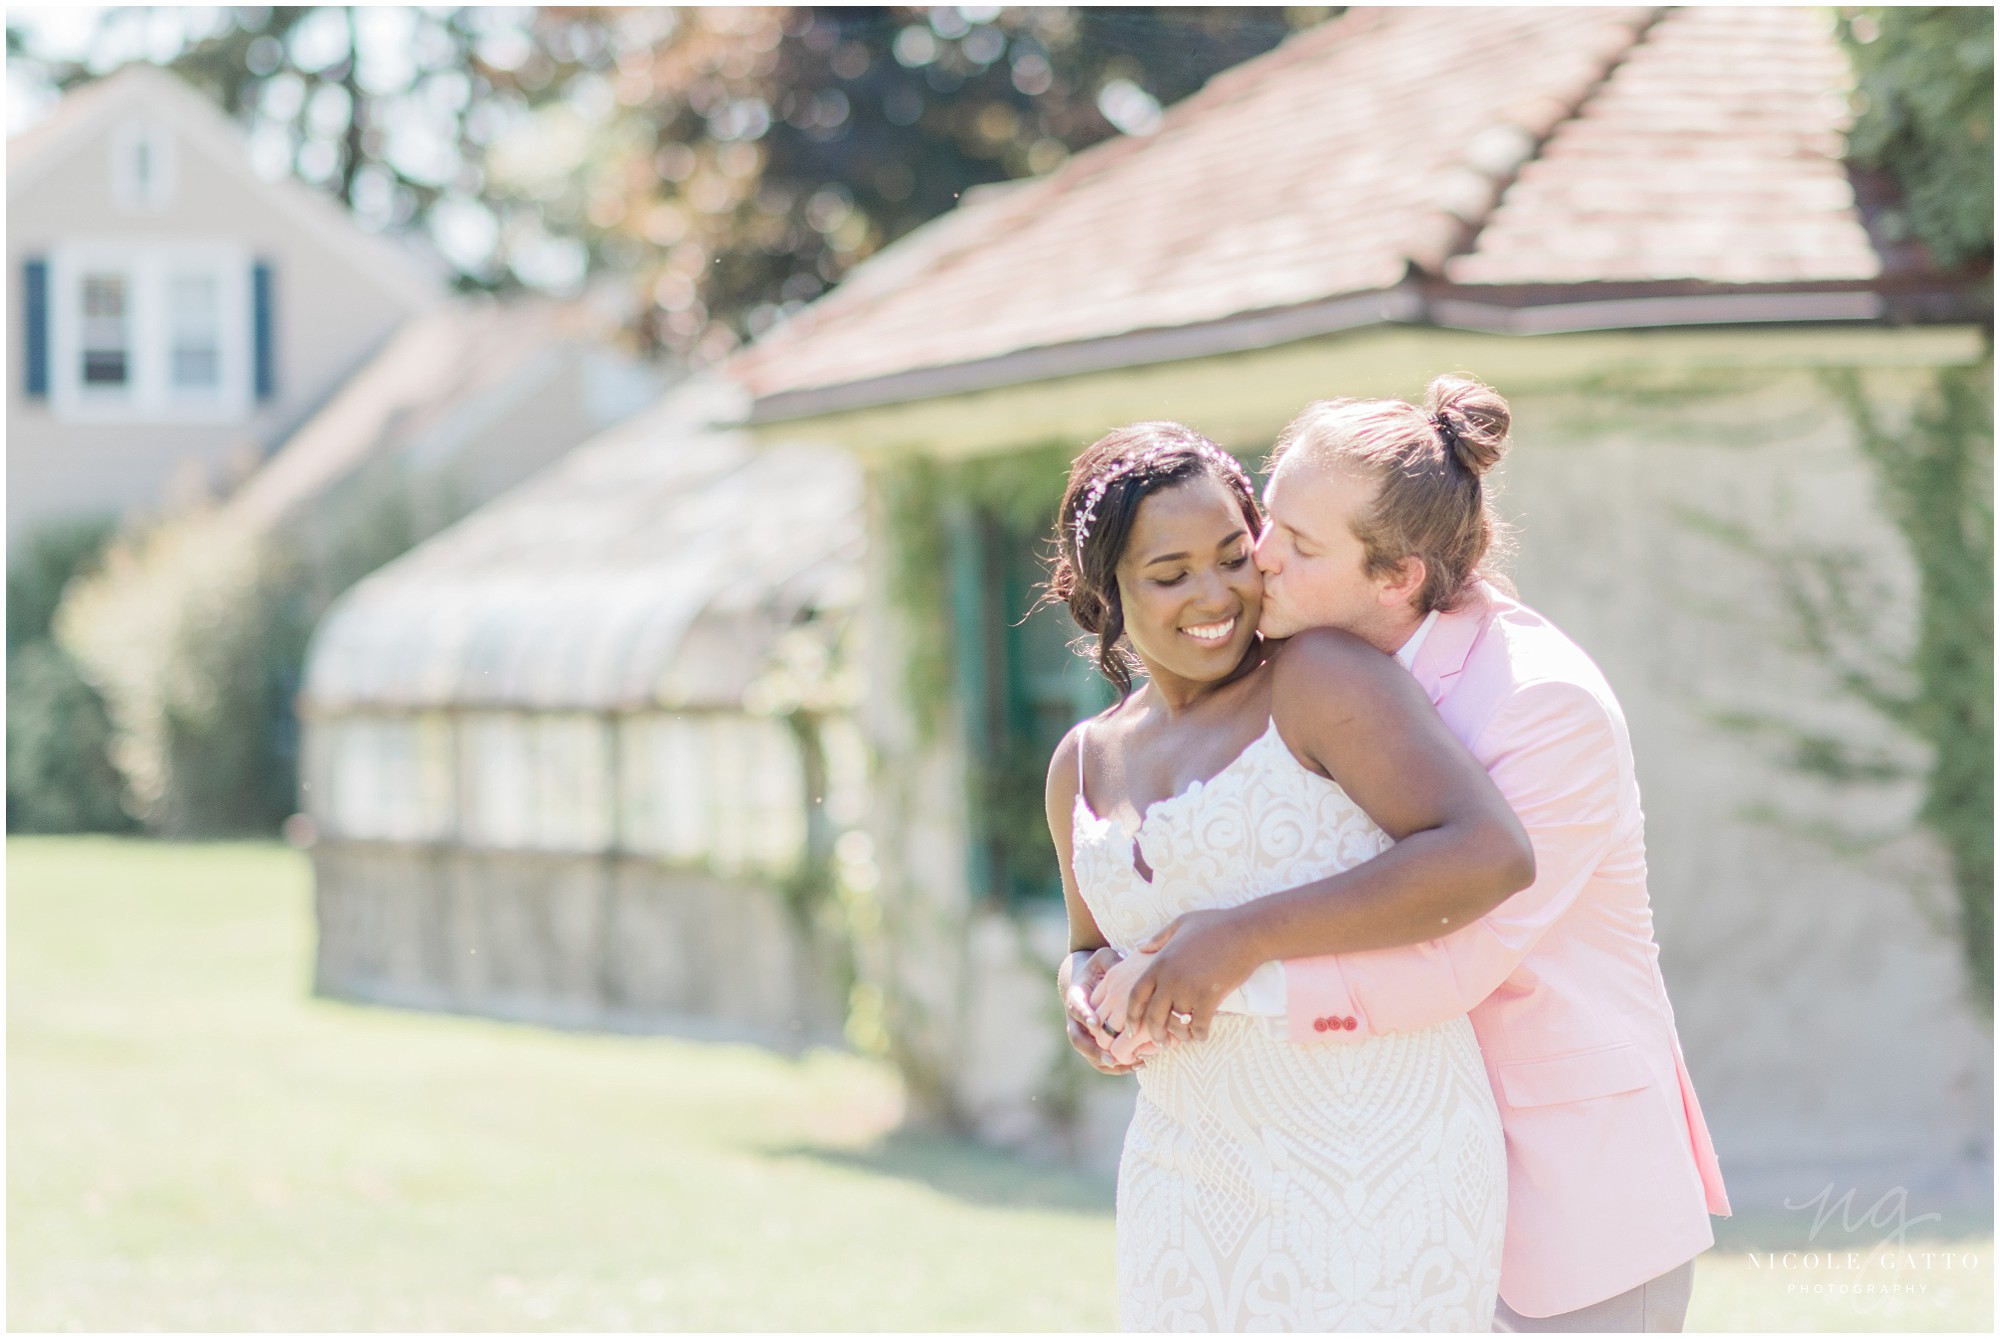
x,y
1657,1306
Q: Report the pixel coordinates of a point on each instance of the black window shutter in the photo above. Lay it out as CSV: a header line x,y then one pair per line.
x,y
262,330
35,341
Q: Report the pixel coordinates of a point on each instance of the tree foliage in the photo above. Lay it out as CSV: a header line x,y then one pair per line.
x,y
743,160
60,776
41,568
1924,112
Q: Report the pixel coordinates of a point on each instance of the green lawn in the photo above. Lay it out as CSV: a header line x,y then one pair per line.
x,y
196,1143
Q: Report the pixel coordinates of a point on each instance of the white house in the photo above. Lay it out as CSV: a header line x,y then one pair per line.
x,y
174,315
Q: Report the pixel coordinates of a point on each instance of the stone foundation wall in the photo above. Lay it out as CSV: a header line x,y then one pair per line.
x,y
612,942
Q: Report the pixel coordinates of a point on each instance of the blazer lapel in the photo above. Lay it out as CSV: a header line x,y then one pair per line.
x,y
1444,651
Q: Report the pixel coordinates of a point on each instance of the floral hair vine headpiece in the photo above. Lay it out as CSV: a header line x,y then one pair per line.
x,y
1145,462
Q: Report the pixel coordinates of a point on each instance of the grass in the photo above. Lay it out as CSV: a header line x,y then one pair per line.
x,y
194,1142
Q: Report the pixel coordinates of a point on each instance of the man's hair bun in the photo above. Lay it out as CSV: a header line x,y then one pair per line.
x,y
1471,419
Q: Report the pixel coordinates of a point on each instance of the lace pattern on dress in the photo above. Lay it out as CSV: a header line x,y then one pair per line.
x,y
1268,1185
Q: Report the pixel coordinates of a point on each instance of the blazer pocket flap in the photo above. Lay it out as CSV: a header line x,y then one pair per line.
x,y
1575,1077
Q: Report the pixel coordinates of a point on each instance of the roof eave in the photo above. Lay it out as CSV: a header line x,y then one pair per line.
x,y
1518,310
1136,348
1579,308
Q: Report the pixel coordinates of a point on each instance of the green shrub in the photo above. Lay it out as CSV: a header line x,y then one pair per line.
x,y
59,772
42,566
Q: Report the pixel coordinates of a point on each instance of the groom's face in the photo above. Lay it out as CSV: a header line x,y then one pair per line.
x,y
1315,569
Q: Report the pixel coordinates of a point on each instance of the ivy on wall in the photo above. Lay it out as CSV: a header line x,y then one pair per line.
x,y
929,511
1018,492
1935,473
913,493
1932,465
1013,499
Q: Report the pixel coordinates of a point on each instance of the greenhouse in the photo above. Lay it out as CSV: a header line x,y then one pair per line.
x,y
583,757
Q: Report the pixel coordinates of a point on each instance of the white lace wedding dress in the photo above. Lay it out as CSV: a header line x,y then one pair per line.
x,y
1353,1185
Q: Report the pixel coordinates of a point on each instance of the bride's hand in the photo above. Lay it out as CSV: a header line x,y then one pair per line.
x,y
1087,1036
1131,1041
1082,973
1194,962
1113,993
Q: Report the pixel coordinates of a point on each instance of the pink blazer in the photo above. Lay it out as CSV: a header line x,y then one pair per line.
x,y
1610,1173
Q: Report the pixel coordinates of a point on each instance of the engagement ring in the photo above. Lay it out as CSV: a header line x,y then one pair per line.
x,y
1180,1017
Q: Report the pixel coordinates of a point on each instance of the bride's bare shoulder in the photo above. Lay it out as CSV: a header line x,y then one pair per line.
x,y
1323,680
1065,765
1320,659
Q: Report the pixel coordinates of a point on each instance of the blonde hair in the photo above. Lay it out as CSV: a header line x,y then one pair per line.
x,y
1430,465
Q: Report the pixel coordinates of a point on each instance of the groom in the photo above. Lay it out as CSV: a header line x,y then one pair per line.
x,y
1377,523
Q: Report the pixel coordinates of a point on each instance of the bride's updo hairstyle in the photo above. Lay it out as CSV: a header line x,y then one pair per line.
x,y
1431,464
1106,485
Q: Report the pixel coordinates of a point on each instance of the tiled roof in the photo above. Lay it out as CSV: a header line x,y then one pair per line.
x,y
1327,166
1712,153
1371,148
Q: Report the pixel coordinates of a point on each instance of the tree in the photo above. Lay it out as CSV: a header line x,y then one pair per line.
x,y
1924,112
743,160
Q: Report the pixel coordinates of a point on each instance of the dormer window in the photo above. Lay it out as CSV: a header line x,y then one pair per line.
x,y
142,167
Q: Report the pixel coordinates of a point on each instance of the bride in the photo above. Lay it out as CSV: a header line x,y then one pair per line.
x,y
1351,1185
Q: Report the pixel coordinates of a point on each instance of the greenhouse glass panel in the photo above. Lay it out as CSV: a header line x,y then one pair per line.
x,y
375,783
638,822
663,766
731,757
437,777
497,779
686,790
774,796
573,782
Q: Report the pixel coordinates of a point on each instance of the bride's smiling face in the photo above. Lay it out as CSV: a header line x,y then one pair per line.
x,y
1190,592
